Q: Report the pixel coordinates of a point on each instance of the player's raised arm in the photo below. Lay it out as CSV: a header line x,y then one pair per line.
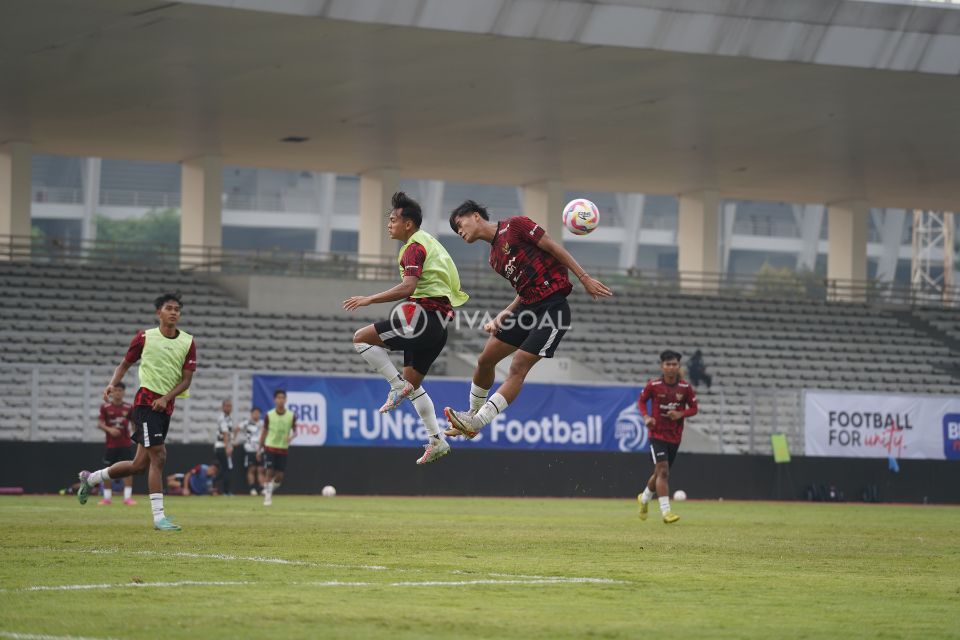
x,y
400,292
594,287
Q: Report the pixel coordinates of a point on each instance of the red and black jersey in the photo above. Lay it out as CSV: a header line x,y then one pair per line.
x,y
144,396
412,262
118,417
533,272
664,398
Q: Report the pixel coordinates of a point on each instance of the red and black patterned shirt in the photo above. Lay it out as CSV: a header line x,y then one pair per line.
x,y
118,417
412,262
665,398
144,396
533,272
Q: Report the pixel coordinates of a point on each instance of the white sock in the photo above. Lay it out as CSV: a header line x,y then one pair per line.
x,y
478,396
127,493
99,477
156,505
491,408
268,489
425,409
647,494
107,493
378,358
664,504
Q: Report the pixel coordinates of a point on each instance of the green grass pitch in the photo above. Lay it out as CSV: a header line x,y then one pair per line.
x,y
359,567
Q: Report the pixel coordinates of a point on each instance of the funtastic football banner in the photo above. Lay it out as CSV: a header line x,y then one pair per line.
x,y
342,412
854,425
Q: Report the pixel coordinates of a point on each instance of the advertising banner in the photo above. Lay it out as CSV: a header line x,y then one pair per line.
x,y
342,412
858,425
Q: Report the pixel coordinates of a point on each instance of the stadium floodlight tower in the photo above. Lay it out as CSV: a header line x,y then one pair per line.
x,y
932,230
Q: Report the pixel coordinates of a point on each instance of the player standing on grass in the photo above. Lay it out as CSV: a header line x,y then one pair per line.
x,y
533,324
279,428
431,284
114,421
223,446
250,429
168,359
672,400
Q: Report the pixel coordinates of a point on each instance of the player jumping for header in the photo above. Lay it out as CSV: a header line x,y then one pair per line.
x,y
533,324
431,285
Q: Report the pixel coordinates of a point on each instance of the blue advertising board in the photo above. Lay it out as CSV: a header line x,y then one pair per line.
x,y
342,412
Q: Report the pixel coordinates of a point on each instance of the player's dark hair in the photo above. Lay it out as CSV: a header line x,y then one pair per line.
x,y
409,208
670,354
252,409
213,464
279,391
465,209
164,298
120,385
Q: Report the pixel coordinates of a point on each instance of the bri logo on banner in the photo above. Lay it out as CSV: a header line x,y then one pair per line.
x,y
631,430
951,436
310,408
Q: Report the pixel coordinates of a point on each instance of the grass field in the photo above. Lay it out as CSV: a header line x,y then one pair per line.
x,y
487,568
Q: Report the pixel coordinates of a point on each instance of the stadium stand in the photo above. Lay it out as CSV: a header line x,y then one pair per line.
x,y
65,328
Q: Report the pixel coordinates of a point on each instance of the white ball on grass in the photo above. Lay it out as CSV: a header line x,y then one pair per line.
x,y
328,491
679,495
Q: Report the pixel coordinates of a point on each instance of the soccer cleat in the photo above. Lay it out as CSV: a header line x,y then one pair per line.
x,y
670,517
396,397
435,449
84,491
129,502
644,507
464,422
164,524
267,501
105,501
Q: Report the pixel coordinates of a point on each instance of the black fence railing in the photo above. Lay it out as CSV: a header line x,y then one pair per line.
x,y
779,285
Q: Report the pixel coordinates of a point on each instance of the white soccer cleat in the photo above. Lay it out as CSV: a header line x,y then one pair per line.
x,y
396,397
463,421
436,448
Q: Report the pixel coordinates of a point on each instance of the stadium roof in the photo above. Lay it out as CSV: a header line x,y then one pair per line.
x,y
142,79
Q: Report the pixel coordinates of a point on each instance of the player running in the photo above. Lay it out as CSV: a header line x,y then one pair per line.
x,y
114,421
533,324
431,284
168,358
279,428
672,400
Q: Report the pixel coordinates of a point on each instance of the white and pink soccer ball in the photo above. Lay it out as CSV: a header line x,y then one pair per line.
x,y
581,216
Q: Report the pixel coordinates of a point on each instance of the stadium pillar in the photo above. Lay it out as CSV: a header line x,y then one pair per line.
x,y
15,160
201,211
847,249
374,243
543,203
697,239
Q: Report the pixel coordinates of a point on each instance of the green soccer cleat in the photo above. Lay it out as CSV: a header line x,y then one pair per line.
x,y
84,491
644,507
670,517
164,524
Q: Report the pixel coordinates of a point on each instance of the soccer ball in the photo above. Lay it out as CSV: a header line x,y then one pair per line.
x,y
679,495
581,216
328,491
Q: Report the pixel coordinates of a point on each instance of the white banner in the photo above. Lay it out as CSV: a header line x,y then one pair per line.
x,y
853,425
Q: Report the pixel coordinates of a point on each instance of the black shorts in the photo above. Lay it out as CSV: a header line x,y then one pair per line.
x,y
421,340
275,461
539,327
118,454
225,461
250,459
663,451
149,426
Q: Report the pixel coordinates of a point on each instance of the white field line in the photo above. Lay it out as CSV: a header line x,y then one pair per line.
x,y
329,583
327,565
13,635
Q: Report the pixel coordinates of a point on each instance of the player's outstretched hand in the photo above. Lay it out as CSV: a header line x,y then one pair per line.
x,y
351,304
595,288
106,393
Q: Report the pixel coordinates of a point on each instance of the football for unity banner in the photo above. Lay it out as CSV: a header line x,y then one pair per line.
x,y
342,412
855,425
